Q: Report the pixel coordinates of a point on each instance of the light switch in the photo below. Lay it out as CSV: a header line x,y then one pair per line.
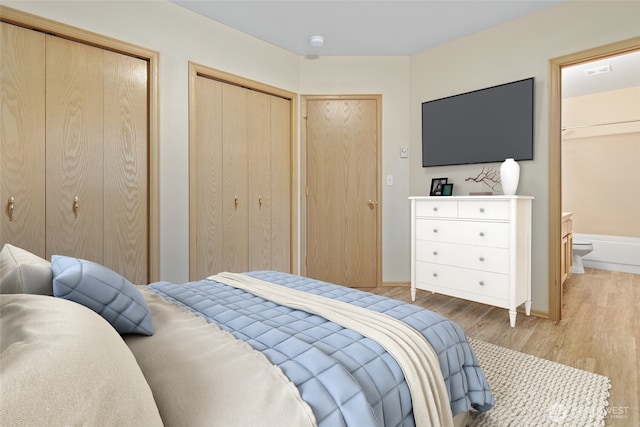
x,y
404,152
389,179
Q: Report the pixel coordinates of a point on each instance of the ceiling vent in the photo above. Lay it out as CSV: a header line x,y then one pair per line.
x,y
598,70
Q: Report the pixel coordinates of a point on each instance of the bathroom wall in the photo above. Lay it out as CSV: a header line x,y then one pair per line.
x,y
600,182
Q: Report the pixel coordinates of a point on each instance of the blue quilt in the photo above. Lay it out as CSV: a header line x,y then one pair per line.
x,y
346,379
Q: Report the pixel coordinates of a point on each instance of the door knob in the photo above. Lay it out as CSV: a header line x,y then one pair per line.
x,y
10,208
370,203
76,206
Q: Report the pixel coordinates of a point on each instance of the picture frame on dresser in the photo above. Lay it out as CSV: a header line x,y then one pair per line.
x,y
447,189
436,186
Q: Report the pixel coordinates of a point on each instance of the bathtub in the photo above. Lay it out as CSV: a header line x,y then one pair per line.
x,y
616,253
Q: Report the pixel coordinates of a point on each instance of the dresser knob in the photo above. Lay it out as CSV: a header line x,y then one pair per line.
x,y
435,209
481,283
435,274
435,230
481,209
481,259
482,234
435,252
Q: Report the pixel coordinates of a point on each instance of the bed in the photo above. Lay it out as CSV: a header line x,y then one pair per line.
x,y
83,346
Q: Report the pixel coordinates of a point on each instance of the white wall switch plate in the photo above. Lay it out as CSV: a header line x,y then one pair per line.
x,y
404,152
389,179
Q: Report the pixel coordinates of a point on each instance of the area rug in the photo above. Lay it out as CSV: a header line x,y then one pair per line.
x,y
530,391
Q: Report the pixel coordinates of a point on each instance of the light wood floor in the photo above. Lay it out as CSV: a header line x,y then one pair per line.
x,y
599,332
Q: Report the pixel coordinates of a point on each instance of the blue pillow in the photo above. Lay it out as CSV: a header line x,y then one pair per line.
x,y
103,291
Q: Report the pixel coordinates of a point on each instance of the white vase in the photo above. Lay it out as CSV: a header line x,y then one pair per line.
x,y
509,176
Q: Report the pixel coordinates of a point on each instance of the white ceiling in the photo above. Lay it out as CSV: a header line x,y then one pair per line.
x,y
362,27
395,27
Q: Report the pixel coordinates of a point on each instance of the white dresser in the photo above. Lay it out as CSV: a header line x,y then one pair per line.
x,y
473,247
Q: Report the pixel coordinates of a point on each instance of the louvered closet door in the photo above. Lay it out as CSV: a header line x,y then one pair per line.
x,y
207,179
234,168
74,147
126,188
22,138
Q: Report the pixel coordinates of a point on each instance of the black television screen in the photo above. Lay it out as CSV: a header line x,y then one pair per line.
x,y
483,126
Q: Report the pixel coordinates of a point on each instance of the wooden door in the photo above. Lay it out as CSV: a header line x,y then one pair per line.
x,y
22,133
206,180
74,150
259,173
126,187
281,211
71,114
240,178
269,133
342,178
235,201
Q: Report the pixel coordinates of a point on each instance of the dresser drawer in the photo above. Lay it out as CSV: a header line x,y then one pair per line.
x,y
460,281
484,209
466,256
437,208
494,234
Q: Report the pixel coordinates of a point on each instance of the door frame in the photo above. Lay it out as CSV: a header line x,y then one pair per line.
x,y
303,175
555,159
38,23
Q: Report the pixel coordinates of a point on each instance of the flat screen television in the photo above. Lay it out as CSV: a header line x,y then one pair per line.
x,y
483,126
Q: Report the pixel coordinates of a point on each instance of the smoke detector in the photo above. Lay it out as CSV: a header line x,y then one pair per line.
x,y
316,41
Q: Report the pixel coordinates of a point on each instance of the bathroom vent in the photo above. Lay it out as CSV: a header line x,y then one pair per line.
x,y
598,70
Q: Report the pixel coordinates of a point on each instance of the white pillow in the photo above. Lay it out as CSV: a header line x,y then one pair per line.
x,y
22,272
64,365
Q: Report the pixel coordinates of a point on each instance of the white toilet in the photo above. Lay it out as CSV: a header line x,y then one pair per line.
x,y
580,249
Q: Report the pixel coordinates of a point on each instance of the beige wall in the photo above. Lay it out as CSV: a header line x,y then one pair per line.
x,y
600,182
515,50
512,51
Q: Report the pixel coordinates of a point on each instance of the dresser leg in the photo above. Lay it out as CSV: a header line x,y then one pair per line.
x,y
512,318
413,294
527,307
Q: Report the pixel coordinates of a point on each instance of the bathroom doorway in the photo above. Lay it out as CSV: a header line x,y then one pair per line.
x,y
557,67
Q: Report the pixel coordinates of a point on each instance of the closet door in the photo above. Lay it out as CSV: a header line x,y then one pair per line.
x,y
206,180
74,150
240,179
126,188
234,168
22,137
280,200
259,133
